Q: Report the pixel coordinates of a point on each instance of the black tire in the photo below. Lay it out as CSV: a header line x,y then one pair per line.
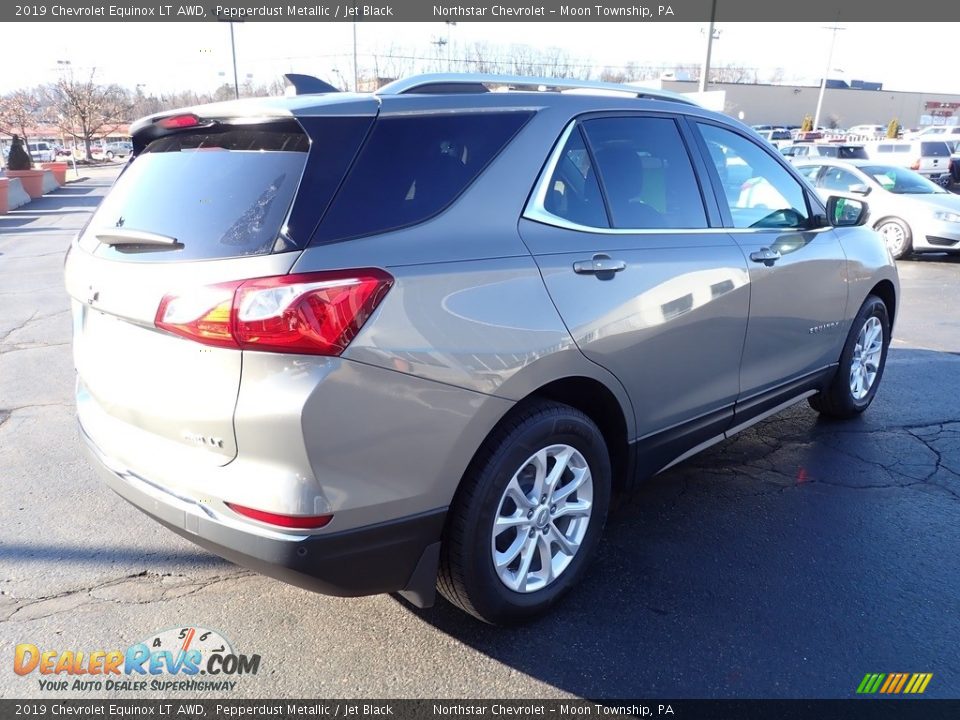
x,y
467,576
837,399
906,248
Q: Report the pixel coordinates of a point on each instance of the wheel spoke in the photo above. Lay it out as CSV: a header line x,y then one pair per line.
x,y
515,493
506,522
539,461
556,472
526,557
505,558
546,559
578,508
566,546
560,494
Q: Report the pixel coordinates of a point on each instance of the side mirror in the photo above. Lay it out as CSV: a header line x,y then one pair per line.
x,y
860,189
846,212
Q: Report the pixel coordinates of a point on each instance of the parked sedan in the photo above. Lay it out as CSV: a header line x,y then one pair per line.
x,y
912,213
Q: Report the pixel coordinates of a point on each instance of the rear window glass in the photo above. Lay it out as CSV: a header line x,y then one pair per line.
x,y
934,149
218,194
413,167
851,152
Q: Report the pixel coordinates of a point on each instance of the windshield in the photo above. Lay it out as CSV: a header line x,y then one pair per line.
x,y
900,180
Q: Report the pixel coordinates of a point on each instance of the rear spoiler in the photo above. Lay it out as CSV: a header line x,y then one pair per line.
x,y
308,85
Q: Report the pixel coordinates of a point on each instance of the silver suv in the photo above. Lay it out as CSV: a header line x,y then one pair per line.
x,y
370,343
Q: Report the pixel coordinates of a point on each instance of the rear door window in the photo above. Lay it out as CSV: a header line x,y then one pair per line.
x,y
645,173
412,167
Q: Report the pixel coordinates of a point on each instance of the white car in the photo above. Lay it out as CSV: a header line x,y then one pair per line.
x,y
42,151
910,212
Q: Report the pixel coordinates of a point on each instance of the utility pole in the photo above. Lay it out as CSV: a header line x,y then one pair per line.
x,y
823,80
705,70
356,70
233,51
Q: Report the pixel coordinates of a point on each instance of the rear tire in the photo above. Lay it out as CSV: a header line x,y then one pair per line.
x,y
896,234
519,536
861,364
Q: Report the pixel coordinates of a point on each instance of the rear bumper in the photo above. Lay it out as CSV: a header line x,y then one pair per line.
x,y
396,556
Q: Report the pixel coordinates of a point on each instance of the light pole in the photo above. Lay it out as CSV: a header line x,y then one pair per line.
x,y
233,51
705,70
450,25
823,80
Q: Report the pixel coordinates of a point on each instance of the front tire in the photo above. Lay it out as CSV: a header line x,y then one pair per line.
x,y
896,234
861,367
528,515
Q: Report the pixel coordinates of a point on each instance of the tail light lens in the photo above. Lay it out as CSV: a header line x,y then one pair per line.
x,y
300,522
308,313
915,165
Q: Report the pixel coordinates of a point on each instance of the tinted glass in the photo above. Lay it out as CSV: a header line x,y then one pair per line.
x,y
851,152
645,173
574,193
759,191
934,149
901,181
413,167
218,193
835,178
809,172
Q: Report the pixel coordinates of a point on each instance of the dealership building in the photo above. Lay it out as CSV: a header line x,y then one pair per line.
x,y
843,105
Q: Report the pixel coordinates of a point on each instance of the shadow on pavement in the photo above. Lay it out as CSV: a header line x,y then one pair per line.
x,y
41,553
783,562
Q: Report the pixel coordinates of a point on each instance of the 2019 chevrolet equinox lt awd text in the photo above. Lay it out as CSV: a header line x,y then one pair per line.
x,y
370,343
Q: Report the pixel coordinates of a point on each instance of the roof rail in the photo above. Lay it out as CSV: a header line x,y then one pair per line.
x,y
478,82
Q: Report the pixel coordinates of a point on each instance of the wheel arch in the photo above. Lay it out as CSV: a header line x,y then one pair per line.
x,y
886,292
598,402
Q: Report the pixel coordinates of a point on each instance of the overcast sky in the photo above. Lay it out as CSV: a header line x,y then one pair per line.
x,y
164,57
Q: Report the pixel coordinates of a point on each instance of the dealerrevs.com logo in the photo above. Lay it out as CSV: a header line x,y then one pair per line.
x,y
187,659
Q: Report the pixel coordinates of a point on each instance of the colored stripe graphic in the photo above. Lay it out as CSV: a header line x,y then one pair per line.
x,y
894,683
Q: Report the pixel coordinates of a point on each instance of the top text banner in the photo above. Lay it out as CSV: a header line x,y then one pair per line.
x,y
757,11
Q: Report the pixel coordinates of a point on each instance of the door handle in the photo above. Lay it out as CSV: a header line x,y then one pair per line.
x,y
766,256
599,265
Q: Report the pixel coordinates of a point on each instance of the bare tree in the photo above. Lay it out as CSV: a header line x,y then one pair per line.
x,y
20,110
87,108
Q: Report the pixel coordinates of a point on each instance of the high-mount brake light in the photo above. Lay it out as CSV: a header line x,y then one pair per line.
x,y
307,313
175,122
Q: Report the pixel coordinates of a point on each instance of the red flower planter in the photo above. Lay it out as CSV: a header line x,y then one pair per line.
x,y
32,181
59,170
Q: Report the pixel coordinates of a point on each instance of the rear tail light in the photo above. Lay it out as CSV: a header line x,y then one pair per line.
x,y
915,165
308,313
300,522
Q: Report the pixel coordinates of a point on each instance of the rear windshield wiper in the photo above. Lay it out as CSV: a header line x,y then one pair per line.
x,y
141,239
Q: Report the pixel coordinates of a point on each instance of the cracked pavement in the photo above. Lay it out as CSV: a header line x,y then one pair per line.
x,y
786,562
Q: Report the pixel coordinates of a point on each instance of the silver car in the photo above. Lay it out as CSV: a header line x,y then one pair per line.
x,y
421,338
912,213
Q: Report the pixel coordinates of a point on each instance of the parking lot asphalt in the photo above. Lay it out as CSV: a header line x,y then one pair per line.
x,y
787,562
